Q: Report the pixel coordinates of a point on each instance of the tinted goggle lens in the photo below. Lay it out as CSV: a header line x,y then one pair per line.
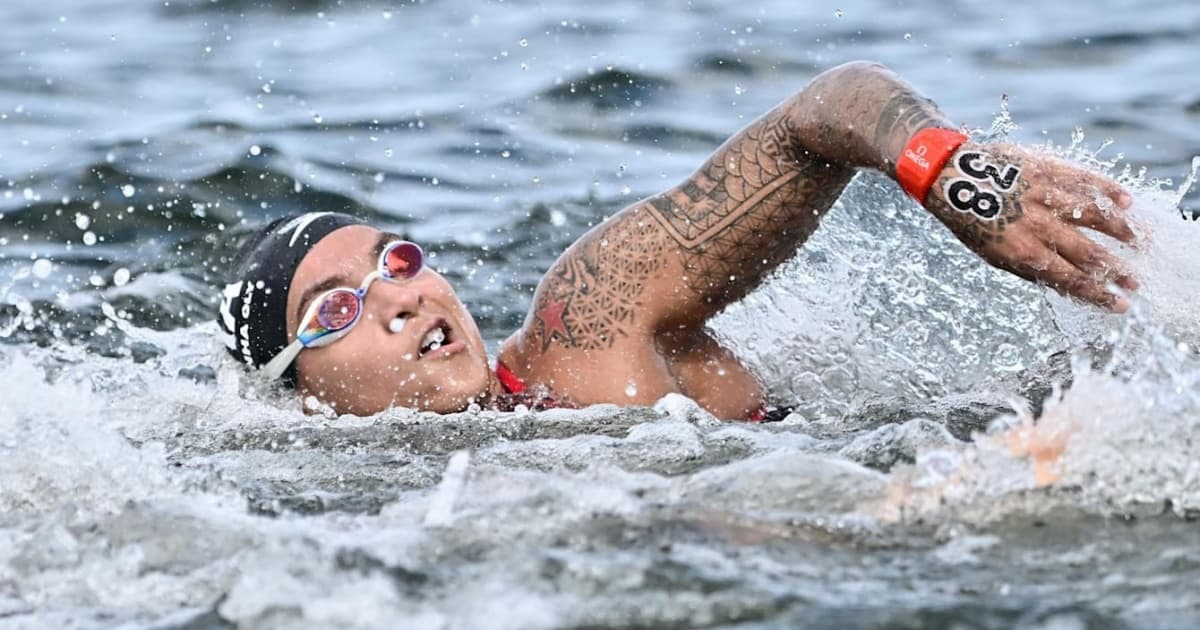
x,y
338,310
402,260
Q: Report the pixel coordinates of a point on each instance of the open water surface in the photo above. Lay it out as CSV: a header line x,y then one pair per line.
x,y
145,482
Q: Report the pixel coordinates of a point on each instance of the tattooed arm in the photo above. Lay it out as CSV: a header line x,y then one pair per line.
x,y
668,263
1033,228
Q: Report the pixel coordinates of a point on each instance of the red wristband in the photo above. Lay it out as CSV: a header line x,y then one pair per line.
x,y
923,158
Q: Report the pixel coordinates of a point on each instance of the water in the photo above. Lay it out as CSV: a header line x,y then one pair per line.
x,y
144,483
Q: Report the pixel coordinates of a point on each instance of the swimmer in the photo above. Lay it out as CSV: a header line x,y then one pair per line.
x,y
352,317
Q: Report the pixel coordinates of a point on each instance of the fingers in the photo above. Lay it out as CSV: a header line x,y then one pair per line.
x,y
1092,259
1063,276
1097,187
1069,280
1074,178
1092,207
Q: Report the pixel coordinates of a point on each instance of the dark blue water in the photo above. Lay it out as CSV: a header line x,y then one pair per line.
x,y
144,482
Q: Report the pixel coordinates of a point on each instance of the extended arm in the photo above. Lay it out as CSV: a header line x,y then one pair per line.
x,y
1019,210
673,260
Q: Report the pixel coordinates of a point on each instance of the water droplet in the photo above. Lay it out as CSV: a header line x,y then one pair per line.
x,y
524,42
128,190
42,268
1077,213
255,149
121,277
317,118
907,36
738,89
387,153
558,218
838,13
387,15
89,238
506,154
631,389
82,221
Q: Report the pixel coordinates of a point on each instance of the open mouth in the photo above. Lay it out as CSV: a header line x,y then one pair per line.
x,y
435,338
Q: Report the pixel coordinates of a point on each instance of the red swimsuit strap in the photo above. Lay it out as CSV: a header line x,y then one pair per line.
x,y
511,383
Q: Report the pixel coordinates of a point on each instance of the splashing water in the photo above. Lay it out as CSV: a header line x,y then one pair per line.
x,y
966,449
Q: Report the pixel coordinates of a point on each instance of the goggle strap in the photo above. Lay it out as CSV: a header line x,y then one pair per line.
x,y
282,361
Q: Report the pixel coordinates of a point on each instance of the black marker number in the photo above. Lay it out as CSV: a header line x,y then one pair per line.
x,y
973,165
965,196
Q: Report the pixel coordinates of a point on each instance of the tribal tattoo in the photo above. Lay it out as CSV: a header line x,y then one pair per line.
x,y
747,210
904,114
591,297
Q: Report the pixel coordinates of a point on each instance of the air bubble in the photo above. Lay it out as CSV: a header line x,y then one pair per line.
x,y
121,277
89,238
128,190
42,268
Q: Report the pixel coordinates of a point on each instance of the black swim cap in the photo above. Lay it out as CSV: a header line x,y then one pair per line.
x,y
253,312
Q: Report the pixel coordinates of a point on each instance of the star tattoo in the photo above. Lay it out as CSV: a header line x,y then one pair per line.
x,y
552,322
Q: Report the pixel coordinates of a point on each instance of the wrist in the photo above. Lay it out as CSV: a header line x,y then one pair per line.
x,y
923,157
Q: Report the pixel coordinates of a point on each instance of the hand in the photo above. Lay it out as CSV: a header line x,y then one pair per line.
x,y
1022,212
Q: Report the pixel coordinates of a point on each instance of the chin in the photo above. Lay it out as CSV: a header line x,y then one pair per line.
x,y
452,402
360,398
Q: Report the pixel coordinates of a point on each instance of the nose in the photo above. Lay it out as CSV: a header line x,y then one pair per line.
x,y
388,300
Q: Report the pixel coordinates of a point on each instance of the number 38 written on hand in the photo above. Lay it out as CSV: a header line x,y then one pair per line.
x,y
974,193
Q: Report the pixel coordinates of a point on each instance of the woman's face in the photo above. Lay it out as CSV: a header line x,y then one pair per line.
x,y
379,363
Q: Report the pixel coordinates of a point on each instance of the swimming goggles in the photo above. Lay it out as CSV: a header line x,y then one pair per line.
x,y
331,316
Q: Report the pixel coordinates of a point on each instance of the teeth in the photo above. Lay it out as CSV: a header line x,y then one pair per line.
x,y
433,339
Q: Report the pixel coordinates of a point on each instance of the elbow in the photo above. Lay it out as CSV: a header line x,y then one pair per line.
x,y
853,72
839,85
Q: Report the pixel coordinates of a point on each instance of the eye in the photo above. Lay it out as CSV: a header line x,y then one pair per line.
x,y
338,310
403,260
